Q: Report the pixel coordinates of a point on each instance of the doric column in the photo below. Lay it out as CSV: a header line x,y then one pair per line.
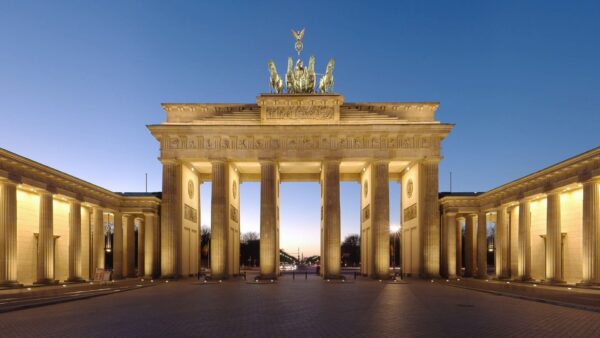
x,y
75,262
219,221
129,246
45,250
331,218
450,234
170,223
501,243
381,218
8,233
482,245
553,238
151,246
524,240
470,256
459,243
268,219
117,246
591,232
141,249
98,246
429,215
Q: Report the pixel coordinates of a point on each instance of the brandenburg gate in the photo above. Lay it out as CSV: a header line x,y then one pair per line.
x,y
311,134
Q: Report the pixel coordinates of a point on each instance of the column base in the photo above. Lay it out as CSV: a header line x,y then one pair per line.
x,y
588,284
75,280
265,277
10,284
482,277
45,281
555,281
334,277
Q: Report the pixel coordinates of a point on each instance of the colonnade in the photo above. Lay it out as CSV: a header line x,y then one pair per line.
x,y
374,180
552,236
86,239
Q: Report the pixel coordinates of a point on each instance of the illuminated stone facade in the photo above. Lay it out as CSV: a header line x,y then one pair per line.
x,y
299,137
546,225
49,223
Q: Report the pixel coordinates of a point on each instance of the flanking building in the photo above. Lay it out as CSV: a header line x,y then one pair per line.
x,y
546,226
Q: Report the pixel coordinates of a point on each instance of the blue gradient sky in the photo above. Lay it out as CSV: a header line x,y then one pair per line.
x,y
78,83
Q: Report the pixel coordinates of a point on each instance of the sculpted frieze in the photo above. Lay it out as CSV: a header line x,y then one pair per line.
x,y
313,142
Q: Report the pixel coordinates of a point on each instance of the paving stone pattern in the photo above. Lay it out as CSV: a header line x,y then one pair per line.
x,y
300,308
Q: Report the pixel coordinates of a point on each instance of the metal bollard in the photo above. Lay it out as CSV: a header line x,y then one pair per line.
x,y
294,275
354,275
305,275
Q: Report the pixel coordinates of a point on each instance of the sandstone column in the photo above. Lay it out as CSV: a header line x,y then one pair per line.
x,y
524,240
170,223
75,262
8,233
501,243
219,221
381,219
268,219
129,246
141,249
117,246
553,238
482,245
470,261
591,232
45,252
429,215
451,244
98,247
331,218
459,243
444,244
151,254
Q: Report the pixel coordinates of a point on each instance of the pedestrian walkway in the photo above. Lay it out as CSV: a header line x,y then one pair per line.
x,y
566,295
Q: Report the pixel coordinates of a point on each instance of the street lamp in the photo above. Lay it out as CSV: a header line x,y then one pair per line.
x,y
395,230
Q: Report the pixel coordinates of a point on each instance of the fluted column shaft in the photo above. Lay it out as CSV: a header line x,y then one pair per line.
x,y
151,252
8,233
45,252
331,217
129,246
98,246
75,267
219,221
171,222
524,240
117,246
459,244
482,245
553,238
451,245
470,256
429,215
501,244
268,219
381,218
141,249
591,232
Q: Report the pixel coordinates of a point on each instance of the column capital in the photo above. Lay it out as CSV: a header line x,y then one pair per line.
x,y
169,161
592,180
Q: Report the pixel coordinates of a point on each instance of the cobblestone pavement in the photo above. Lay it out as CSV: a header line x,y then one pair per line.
x,y
300,308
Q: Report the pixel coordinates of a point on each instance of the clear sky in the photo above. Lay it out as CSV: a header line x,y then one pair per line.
x,y
79,81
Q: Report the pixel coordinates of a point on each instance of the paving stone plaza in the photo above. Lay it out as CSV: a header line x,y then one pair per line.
x,y
301,308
